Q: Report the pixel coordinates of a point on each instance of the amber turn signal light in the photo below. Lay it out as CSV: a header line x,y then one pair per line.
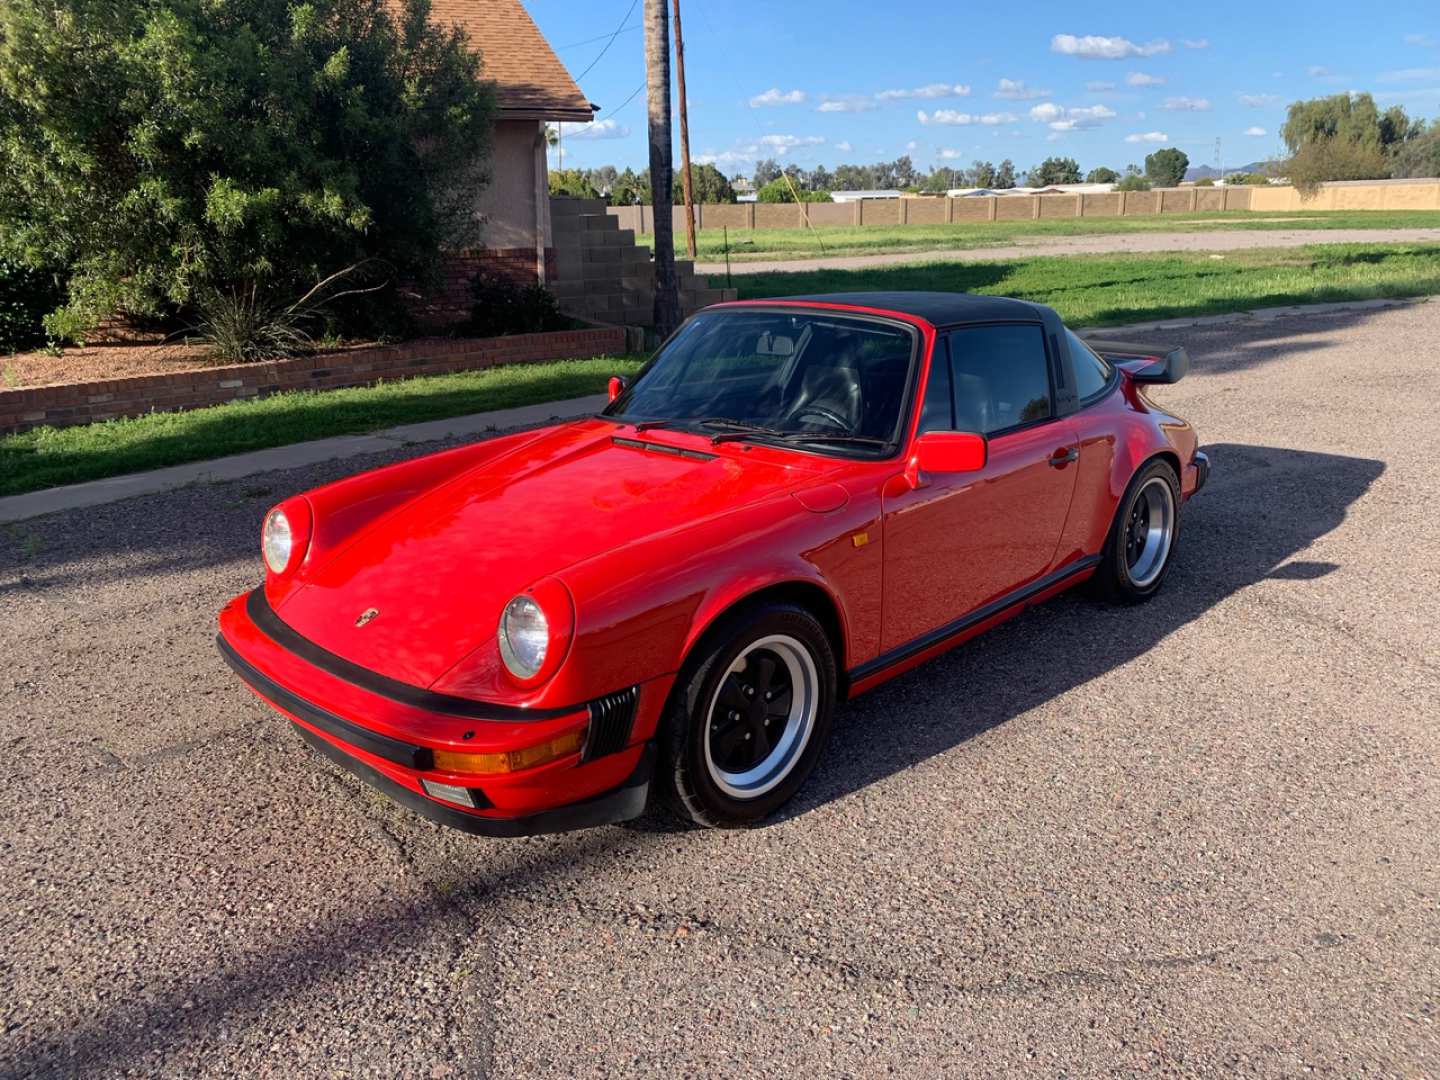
x,y
458,761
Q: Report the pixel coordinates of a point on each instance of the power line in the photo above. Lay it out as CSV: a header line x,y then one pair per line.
x,y
630,11
599,37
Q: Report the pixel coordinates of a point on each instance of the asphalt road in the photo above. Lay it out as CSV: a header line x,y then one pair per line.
x,y
1209,239
1199,837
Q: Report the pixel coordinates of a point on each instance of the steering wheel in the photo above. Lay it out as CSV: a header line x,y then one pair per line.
x,y
820,412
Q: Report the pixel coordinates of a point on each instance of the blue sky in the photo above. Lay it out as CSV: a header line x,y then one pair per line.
x,y
860,81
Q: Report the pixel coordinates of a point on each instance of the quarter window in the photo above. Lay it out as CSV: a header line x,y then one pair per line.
x,y
1092,371
1000,376
937,411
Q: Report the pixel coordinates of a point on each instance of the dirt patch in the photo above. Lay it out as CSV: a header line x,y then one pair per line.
x,y
94,363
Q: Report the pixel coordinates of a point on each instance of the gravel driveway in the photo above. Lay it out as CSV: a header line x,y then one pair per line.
x,y
1198,837
1121,243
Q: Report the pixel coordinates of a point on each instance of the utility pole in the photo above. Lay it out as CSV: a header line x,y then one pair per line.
x,y
657,96
685,177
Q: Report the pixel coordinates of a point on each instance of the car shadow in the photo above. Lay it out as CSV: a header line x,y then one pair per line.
x,y
1262,507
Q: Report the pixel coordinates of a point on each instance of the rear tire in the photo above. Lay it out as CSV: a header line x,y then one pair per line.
x,y
1141,545
749,717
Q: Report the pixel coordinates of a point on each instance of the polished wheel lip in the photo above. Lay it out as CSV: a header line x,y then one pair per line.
x,y
1149,531
767,774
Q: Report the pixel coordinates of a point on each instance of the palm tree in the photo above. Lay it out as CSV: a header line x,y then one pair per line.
x,y
657,80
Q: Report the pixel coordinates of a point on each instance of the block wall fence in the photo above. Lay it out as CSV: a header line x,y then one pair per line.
x,y
922,210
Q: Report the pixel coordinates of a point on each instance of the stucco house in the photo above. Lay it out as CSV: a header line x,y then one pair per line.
x,y
533,88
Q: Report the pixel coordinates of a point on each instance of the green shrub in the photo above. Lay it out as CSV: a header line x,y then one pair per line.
x,y
166,149
780,190
1205,181
1133,182
501,306
26,295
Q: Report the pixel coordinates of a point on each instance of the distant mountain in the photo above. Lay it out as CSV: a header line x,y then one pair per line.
x,y
1205,172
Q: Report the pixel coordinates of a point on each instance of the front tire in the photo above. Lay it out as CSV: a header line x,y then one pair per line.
x,y
1142,539
750,717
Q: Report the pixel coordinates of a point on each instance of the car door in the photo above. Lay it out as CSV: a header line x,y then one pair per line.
x,y
963,540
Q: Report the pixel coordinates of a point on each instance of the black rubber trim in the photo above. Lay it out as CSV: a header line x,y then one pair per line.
x,y
1202,470
979,615
264,617
661,448
372,742
621,804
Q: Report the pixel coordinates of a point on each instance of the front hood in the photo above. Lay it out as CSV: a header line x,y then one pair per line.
x,y
439,571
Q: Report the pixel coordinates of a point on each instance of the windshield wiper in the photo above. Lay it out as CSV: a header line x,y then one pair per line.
x,y
796,437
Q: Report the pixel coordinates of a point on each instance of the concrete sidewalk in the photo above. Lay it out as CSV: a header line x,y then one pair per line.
x,y
96,492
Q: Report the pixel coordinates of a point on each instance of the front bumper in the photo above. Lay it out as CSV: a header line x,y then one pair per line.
x,y
390,743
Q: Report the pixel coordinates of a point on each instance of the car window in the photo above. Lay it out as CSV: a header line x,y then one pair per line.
x,y
937,412
1092,371
795,373
1000,377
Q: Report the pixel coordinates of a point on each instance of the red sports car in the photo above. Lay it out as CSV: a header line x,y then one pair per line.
x,y
792,502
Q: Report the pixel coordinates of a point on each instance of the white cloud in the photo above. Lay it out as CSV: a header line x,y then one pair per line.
x,y
947,153
776,96
912,146
1186,104
1016,90
1257,132
1148,136
790,142
1140,78
1259,101
844,146
1410,75
1060,118
850,103
742,156
1318,71
1096,47
930,92
597,129
1099,87
951,116
1195,43
1426,41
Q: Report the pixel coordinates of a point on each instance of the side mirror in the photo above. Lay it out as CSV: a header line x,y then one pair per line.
x,y
617,386
946,452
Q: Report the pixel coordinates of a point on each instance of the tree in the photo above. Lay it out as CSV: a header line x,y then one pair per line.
x,y
575,183
1133,181
1101,175
779,190
1253,178
1166,168
1004,176
982,174
1344,137
657,82
765,171
1055,170
247,147
709,186
905,174
630,188
1419,156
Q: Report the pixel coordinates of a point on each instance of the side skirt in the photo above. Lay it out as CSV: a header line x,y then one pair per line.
x,y
905,656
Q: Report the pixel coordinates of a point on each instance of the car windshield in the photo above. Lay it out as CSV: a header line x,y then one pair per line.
x,y
835,383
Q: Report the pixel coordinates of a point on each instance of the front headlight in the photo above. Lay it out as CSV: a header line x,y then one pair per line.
x,y
277,541
524,637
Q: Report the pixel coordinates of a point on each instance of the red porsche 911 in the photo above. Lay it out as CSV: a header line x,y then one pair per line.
x,y
792,502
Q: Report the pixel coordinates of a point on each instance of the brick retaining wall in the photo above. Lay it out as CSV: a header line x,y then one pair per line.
x,y
81,403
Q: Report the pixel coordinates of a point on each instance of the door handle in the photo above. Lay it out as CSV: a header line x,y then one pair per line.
x,y
1061,458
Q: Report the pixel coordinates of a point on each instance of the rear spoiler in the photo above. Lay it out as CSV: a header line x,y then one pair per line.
x,y
1145,363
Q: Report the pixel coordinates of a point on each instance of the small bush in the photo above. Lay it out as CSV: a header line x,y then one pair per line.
x,y
1133,182
500,306
26,296
1205,181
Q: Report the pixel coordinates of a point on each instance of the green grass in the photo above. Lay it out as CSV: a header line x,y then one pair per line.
x,y
46,457
751,244
1098,290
